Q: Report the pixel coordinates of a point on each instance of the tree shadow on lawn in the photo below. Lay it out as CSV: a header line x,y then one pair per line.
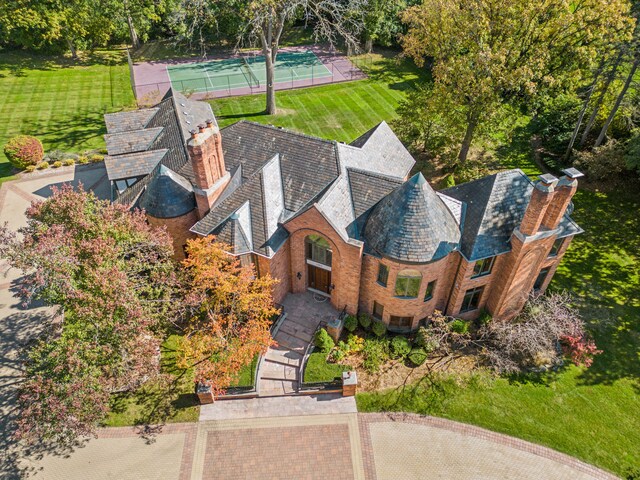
x,y
393,70
74,132
602,269
17,63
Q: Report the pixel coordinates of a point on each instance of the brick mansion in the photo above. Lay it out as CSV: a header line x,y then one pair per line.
x,y
346,221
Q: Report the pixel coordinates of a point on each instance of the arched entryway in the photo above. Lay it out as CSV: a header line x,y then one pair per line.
x,y
318,257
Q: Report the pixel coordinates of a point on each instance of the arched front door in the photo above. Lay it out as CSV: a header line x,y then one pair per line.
x,y
318,258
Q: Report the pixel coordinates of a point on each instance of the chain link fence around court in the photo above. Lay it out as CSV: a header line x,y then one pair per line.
x,y
250,78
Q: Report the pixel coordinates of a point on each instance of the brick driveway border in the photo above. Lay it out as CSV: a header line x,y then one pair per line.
x,y
366,419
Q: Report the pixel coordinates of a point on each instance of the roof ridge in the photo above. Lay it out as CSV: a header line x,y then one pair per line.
x,y
282,129
376,174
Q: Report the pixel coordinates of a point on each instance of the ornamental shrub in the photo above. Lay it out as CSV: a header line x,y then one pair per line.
x,y
379,328
365,320
29,168
417,356
323,341
459,326
400,346
449,181
355,343
350,323
57,164
42,165
95,158
69,161
24,150
82,159
375,352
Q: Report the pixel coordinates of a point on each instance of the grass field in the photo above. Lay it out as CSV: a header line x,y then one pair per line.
x,y
318,370
60,101
152,404
340,111
591,414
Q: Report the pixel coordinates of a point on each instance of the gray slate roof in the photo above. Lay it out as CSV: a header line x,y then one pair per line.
x,y
378,151
495,206
169,124
412,224
134,164
132,141
128,121
167,195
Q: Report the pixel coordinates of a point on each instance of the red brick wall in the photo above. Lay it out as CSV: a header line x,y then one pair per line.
x,y
178,229
442,271
346,259
279,268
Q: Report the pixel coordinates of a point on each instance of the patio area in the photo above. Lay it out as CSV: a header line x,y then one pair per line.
x,y
279,371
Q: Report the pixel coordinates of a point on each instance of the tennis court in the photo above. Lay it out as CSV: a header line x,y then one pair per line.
x,y
246,71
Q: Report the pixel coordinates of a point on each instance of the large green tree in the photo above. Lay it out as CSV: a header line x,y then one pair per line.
x,y
487,52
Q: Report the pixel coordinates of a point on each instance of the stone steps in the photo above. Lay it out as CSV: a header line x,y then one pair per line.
x,y
296,330
284,356
278,371
277,388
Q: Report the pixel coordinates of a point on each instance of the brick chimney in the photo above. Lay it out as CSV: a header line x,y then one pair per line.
x,y
566,188
541,197
207,160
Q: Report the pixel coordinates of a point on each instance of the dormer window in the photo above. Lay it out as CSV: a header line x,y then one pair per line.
x,y
483,267
125,183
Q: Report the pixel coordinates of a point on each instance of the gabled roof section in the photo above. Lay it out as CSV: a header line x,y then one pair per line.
x,y
236,231
379,151
412,224
368,188
127,121
167,195
495,207
134,164
336,206
131,141
308,164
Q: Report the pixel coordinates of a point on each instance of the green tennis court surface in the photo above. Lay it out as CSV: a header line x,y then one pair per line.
x,y
245,72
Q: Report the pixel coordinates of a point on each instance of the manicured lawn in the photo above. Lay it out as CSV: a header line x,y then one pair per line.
x,y
172,402
60,101
318,370
341,111
246,377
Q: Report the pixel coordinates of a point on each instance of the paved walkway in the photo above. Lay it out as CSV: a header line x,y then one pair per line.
x,y
279,371
324,404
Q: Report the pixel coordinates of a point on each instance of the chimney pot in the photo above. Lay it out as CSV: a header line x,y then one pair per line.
x,y
194,133
209,123
573,173
201,128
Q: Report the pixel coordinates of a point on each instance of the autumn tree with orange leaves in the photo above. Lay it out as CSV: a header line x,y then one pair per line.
x,y
229,312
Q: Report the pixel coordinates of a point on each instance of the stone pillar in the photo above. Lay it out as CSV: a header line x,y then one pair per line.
x,y
349,383
334,329
204,393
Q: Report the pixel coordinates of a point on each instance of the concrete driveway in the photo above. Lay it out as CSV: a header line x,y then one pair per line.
x,y
341,445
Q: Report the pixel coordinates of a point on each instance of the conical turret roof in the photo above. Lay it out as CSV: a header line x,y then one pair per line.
x,y
412,224
168,195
